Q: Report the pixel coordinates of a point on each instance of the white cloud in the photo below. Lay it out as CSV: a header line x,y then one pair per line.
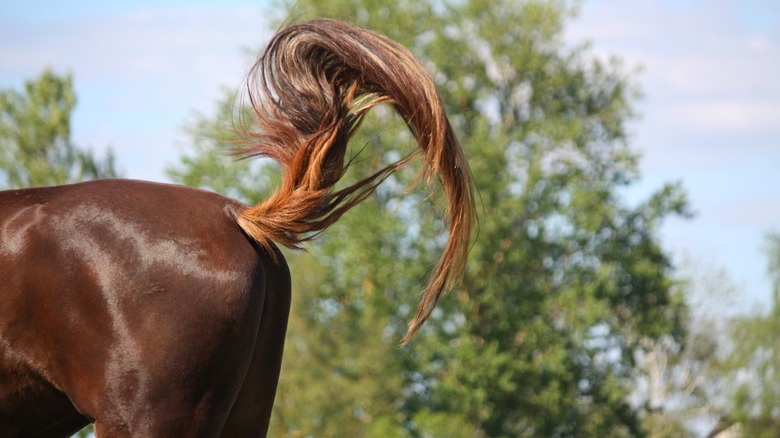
x,y
762,213
727,115
136,46
709,70
694,49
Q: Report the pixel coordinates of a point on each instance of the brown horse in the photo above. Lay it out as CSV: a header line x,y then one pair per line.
x,y
155,310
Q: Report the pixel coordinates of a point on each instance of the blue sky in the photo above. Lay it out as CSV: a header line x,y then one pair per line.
x,y
710,117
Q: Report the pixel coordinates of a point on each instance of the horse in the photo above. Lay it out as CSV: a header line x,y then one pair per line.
x,y
157,310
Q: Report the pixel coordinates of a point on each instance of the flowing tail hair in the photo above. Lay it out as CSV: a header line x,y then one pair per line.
x,y
310,90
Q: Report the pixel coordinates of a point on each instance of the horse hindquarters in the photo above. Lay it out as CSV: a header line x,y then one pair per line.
x,y
231,390
185,294
139,301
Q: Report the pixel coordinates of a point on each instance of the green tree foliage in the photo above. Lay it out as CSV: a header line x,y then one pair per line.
x,y
681,379
752,370
35,144
566,283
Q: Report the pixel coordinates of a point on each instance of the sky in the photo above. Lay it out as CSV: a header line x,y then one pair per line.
x,y
709,71
710,117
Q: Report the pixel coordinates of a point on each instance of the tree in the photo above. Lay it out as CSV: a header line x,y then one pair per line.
x,y
751,367
35,144
682,380
566,284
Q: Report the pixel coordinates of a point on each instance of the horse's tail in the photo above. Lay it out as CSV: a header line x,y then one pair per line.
x,y
310,90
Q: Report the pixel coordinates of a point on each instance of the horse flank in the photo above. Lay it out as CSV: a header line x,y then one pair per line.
x,y
310,90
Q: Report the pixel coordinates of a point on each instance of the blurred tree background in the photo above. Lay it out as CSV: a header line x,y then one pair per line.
x,y
752,367
35,145
571,321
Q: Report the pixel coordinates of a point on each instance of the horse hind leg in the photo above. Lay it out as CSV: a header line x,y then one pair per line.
x,y
43,412
182,397
194,403
187,374
251,412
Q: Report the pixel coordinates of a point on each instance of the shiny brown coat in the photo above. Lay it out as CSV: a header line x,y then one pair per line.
x,y
118,308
